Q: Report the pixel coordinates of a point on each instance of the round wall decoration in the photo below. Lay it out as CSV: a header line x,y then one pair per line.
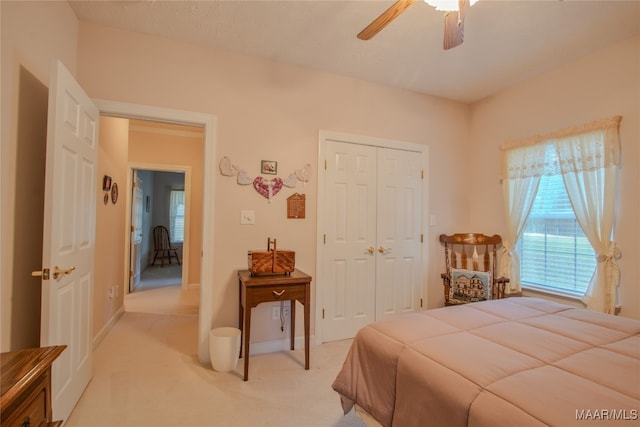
x,y
114,193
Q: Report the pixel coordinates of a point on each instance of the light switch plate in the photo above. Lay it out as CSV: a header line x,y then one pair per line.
x,y
247,217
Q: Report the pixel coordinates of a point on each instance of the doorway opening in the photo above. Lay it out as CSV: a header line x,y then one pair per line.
x,y
165,215
158,205
206,247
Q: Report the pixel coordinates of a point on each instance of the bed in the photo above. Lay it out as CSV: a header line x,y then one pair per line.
x,y
516,361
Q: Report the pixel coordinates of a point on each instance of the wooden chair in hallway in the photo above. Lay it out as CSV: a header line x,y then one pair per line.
x,y
162,246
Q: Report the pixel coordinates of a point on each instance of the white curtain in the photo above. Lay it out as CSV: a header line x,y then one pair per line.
x,y
176,206
588,158
521,177
589,165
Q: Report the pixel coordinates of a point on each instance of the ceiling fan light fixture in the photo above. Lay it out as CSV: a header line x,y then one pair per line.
x,y
446,5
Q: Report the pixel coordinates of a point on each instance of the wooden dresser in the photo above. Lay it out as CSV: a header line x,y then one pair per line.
x,y
26,387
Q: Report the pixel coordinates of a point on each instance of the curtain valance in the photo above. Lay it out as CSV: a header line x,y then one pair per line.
x,y
588,147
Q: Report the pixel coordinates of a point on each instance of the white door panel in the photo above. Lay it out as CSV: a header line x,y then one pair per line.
x,y
398,232
69,236
350,231
137,211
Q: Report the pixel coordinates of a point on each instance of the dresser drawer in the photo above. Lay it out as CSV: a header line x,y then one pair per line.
x,y
32,411
25,384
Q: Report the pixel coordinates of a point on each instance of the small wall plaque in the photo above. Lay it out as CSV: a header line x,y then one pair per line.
x,y
106,183
296,206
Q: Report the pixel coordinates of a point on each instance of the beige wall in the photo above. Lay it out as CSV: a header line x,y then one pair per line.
x,y
599,85
267,110
110,224
176,148
32,34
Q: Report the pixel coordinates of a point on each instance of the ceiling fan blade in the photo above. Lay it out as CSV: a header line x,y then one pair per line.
x,y
384,19
454,26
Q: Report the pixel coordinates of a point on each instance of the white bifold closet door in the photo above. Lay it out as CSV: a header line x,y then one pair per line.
x,y
373,249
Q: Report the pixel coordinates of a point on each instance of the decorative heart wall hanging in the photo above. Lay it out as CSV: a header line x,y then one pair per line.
x,y
267,187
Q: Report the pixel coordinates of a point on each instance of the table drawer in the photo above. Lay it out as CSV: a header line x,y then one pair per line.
x,y
260,294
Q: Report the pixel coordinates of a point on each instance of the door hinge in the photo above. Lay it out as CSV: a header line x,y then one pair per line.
x,y
422,174
130,273
422,238
420,302
323,313
324,239
132,228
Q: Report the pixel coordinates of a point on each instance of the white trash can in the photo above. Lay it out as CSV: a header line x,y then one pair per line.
x,y
224,348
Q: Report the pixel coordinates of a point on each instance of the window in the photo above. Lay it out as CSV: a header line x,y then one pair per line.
x,y
551,184
554,253
176,216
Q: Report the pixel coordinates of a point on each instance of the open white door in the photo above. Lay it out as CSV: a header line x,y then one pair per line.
x,y
69,236
136,231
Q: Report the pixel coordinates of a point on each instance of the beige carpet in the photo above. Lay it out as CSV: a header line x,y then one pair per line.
x,y
155,276
146,373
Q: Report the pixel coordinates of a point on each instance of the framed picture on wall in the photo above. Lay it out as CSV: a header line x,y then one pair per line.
x,y
106,183
269,167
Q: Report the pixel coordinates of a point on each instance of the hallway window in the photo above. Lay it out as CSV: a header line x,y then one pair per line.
x,y
176,216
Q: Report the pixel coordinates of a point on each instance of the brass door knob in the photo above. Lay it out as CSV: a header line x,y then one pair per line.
x,y
57,272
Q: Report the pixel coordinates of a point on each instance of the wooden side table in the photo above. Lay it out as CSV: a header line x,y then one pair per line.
x,y
253,290
26,386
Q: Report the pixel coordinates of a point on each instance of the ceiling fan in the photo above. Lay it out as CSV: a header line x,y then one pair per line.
x,y
453,20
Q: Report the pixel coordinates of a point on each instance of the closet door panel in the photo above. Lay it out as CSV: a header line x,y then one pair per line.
x,y
398,232
350,187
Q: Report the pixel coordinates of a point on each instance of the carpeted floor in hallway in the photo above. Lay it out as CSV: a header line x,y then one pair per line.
x,y
146,373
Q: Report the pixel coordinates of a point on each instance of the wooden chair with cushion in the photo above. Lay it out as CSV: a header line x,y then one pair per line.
x,y
162,246
471,263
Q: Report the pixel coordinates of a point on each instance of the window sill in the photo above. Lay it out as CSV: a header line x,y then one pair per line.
x,y
536,290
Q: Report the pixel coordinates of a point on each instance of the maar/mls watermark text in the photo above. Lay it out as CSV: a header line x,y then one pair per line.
x,y
606,414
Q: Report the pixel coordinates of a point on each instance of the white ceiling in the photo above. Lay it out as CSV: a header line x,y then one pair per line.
x,y
506,41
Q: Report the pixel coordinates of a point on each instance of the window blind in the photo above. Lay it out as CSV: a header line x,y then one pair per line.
x,y
176,215
554,252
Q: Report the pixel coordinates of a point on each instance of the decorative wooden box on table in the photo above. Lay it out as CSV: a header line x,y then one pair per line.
x,y
271,260
26,387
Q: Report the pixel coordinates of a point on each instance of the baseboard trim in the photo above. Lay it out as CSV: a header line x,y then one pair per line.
x,y
107,327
